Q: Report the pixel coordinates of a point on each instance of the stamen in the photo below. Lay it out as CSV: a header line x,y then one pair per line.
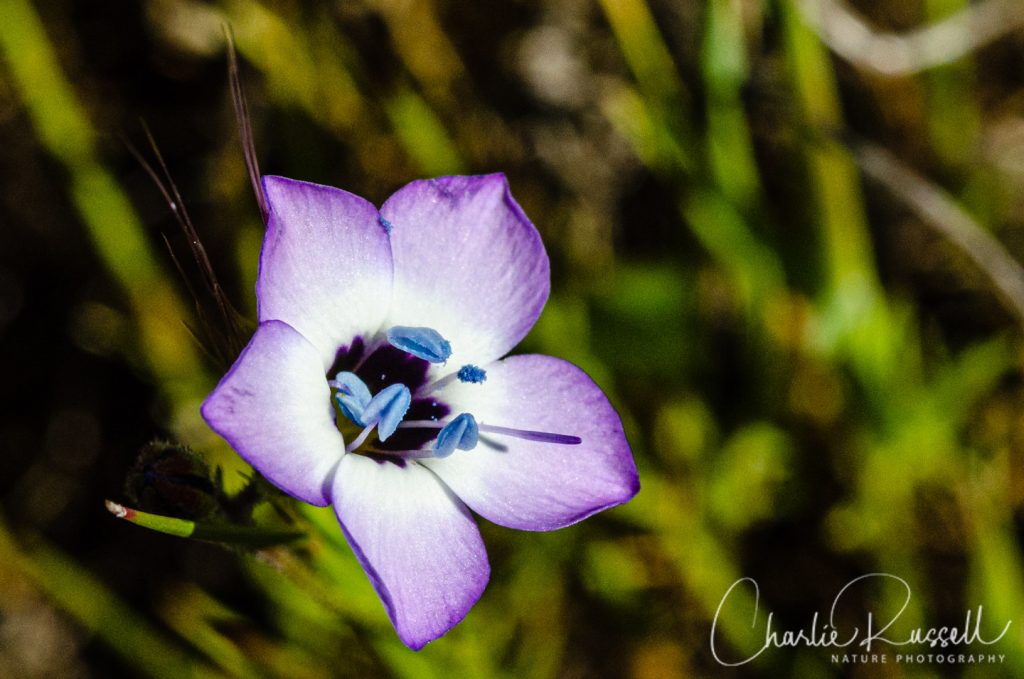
x,y
404,454
472,374
461,433
425,343
421,424
358,441
387,409
352,396
528,434
385,223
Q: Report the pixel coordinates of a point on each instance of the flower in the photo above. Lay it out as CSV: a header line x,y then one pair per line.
x,y
386,330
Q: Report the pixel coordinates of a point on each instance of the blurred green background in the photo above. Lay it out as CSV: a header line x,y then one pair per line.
x,y
784,239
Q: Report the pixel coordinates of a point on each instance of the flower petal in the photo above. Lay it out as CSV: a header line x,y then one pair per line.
x,y
533,485
418,544
274,408
325,268
468,263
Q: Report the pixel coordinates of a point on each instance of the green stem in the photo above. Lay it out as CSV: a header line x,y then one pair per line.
x,y
248,536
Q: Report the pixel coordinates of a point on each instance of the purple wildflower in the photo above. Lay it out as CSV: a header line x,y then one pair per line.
x,y
387,330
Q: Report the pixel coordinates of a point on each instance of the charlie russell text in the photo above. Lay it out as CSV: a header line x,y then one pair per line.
x,y
858,643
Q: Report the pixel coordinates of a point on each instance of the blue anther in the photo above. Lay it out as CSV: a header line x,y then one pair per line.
x,y
425,343
385,223
352,396
461,433
472,374
387,409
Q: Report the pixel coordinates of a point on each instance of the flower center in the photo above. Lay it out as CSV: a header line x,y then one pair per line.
x,y
386,407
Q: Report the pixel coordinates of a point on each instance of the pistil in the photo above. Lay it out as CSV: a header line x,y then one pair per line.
x,y
467,373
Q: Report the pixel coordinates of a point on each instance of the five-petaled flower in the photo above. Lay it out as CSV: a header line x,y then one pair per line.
x,y
386,330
